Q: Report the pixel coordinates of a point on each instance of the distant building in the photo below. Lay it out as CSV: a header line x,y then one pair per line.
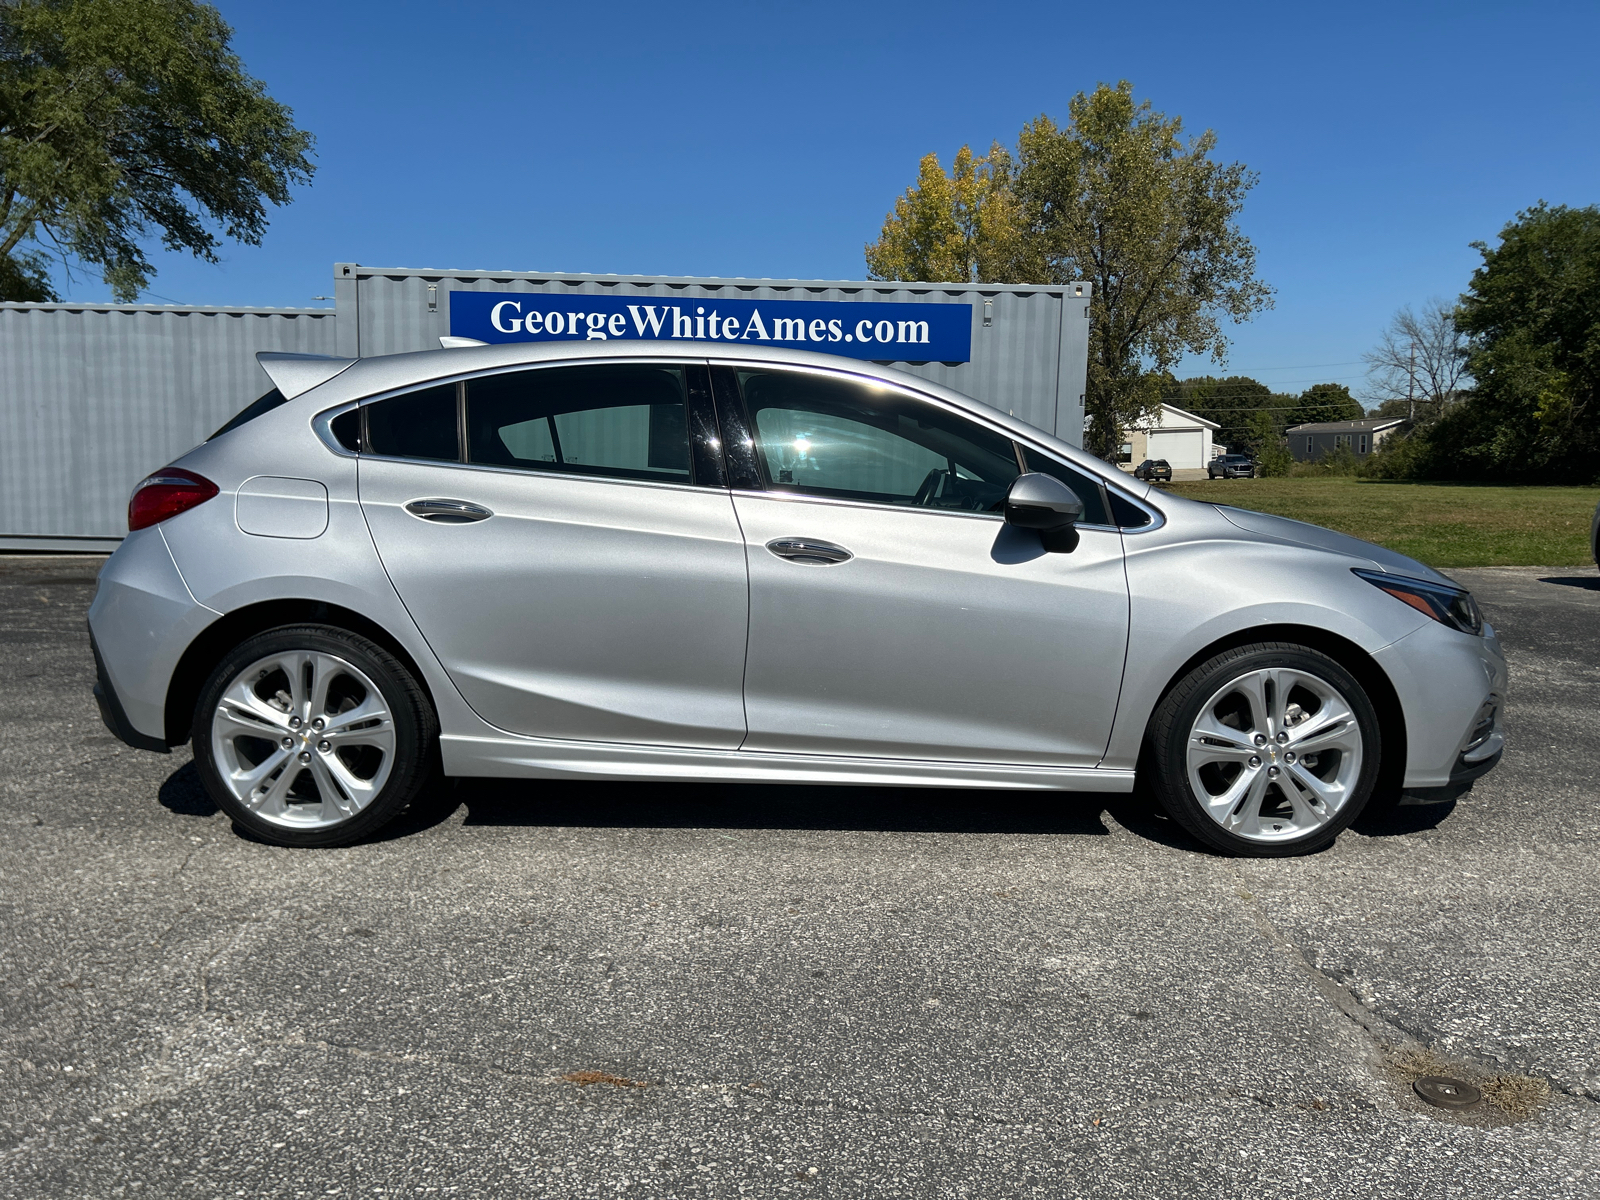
x,y
1181,438
1310,442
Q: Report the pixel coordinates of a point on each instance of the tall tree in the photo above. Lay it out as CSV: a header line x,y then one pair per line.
x,y
121,119
1118,198
1420,361
1532,316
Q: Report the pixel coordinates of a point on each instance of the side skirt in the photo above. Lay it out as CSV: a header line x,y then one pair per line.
x,y
526,758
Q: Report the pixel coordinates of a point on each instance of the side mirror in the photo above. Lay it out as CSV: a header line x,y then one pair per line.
x,y
1045,504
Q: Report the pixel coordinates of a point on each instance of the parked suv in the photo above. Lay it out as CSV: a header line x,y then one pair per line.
x,y
1152,469
750,564
1232,466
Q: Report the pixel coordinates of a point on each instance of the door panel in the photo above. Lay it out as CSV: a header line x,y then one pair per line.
x,y
942,637
595,609
581,574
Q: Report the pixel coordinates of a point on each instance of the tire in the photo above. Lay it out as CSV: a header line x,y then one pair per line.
x,y
1265,751
290,742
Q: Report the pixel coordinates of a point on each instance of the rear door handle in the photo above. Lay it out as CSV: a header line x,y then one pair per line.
x,y
809,550
448,512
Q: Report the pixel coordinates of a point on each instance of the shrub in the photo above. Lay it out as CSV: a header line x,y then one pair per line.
x,y
1274,462
1341,460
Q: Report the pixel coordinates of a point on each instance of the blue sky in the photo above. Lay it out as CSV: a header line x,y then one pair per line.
x,y
770,139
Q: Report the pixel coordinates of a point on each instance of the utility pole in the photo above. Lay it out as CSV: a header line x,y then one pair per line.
x,y
1411,385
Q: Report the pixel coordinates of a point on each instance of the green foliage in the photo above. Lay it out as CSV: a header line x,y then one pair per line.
x,y
1341,460
1325,402
119,118
1248,413
1398,456
1275,462
1532,316
1117,198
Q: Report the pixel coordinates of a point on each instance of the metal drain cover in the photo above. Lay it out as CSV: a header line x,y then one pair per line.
x,y
1445,1092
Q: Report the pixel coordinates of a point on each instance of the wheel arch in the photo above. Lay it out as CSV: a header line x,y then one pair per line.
x,y
223,634
1373,679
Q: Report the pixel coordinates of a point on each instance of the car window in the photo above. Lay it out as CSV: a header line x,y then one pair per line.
x,y
825,436
1086,487
420,424
625,420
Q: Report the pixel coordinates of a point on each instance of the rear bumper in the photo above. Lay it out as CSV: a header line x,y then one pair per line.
x,y
111,713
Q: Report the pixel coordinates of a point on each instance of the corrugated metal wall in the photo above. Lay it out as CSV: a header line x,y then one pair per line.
x,y
1029,360
93,398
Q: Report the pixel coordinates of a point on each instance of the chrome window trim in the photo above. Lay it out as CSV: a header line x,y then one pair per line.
x,y
322,426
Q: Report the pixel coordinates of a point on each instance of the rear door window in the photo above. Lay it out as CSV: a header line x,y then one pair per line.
x,y
623,420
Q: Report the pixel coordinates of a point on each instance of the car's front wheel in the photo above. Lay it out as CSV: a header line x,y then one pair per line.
x,y
313,736
1265,750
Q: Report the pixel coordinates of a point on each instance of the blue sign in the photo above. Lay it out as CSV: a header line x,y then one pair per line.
x,y
855,329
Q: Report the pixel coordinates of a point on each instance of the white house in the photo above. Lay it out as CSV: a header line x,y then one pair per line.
x,y
1180,437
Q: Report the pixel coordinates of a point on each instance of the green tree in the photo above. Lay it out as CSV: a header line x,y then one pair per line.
x,y
121,118
1248,413
1532,318
1325,402
958,228
1118,198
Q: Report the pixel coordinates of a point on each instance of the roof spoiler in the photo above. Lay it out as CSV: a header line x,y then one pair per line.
x,y
295,374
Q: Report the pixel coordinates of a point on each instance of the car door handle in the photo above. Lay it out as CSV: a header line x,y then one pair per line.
x,y
448,512
808,550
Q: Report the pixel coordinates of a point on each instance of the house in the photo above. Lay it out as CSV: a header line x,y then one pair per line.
x,y
1310,442
1181,438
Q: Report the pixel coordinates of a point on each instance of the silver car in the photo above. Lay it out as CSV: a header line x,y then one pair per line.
x,y
729,564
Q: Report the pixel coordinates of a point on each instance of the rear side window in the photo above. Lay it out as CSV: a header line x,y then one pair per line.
x,y
623,420
252,410
419,424
1086,487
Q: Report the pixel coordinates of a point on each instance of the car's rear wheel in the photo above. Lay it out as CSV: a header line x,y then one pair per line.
x,y
1266,750
313,736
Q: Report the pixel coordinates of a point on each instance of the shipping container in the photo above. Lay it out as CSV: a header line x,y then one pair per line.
x,y
94,397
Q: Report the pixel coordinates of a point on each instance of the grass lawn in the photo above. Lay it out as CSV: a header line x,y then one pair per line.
x,y
1441,524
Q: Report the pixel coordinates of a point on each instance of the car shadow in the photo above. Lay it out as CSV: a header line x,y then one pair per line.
x,y
1394,820
780,806
1589,583
532,803
183,793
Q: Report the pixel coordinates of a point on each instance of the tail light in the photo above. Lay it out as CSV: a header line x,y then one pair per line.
x,y
167,493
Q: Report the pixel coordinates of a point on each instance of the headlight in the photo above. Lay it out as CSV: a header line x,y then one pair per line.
x,y
1448,605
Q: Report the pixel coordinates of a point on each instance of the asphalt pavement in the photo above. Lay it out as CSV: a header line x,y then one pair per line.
x,y
686,991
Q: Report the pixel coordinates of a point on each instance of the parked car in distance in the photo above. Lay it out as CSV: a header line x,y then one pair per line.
x,y
1232,466
555,561
1152,469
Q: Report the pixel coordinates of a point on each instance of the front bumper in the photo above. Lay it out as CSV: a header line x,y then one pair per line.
x,y
1452,689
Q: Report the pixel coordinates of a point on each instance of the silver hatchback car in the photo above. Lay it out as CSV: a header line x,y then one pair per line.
x,y
560,562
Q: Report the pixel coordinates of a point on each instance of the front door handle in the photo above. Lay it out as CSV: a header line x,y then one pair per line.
x,y
809,550
448,512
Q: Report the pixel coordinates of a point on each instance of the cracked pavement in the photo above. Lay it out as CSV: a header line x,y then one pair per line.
x,y
825,992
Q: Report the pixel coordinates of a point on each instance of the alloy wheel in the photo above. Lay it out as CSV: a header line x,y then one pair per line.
x,y
1274,754
303,739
